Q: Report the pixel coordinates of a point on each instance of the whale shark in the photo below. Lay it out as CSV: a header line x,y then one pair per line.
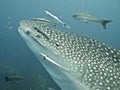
x,y
74,62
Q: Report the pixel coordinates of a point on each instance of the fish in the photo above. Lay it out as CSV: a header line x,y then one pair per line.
x,y
56,18
73,61
45,20
13,78
87,17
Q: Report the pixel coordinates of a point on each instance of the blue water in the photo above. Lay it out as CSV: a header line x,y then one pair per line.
x,y
15,56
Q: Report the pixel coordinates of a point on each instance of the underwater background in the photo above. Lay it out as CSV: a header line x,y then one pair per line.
x,y
17,59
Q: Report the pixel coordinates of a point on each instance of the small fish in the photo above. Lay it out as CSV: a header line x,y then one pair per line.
x,y
45,20
13,78
57,19
87,17
52,61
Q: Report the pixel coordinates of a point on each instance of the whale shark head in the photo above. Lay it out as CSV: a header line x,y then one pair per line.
x,y
73,61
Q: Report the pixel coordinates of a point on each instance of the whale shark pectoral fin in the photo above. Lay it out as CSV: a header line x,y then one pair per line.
x,y
52,61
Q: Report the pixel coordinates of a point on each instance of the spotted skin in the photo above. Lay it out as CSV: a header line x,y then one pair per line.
x,y
92,63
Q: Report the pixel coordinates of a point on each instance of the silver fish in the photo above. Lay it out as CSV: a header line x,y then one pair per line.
x,y
57,19
45,20
87,17
73,61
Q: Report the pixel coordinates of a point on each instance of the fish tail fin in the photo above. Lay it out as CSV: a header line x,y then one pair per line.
x,y
104,22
